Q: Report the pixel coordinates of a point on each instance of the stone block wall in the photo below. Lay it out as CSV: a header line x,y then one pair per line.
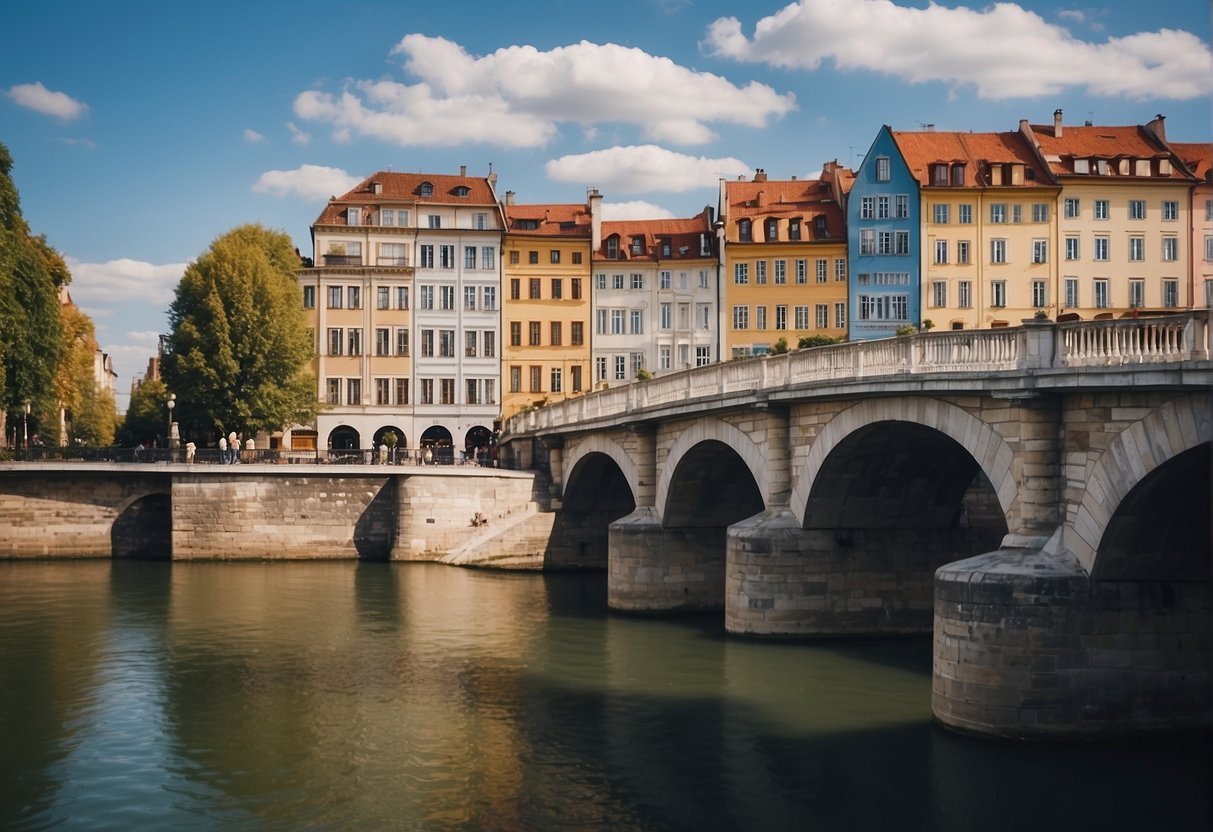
x,y
434,513
654,569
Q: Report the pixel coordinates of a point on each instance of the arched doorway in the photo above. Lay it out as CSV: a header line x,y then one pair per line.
x,y
343,438
399,442
437,442
476,443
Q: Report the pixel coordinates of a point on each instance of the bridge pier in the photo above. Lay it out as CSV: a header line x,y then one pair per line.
x,y
655,569
1026,645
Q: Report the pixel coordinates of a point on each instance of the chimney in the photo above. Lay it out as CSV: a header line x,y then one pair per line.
x,y
463,170
761,199
1158,127
595,205
509,197
1057,123
760,175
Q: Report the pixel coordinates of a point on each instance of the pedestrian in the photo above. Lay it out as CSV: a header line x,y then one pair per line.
x,y
222,450
233,447
190,447
382,453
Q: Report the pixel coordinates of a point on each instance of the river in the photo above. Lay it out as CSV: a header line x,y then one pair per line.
x,y
335,696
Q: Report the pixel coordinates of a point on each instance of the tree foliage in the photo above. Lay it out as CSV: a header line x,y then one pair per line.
x,y
31,275
93,414
238,351
146,418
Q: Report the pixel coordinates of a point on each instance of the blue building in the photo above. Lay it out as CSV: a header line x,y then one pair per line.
x,y
883,243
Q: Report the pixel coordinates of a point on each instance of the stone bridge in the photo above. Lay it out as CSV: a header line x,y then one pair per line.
x,y
1037,497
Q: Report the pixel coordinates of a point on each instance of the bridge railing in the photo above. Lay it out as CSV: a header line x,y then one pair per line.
x,y
1033,346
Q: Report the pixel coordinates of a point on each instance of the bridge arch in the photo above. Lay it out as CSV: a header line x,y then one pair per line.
x,y
707,430
143,527
577,452
1177,428
991,452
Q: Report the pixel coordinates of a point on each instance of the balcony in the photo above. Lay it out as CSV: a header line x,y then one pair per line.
x,y
343,259
392,261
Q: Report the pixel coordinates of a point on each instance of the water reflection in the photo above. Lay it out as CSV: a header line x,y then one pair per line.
x,y
373,695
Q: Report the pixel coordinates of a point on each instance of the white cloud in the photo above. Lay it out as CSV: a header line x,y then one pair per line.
x,y
518,96
1004,50
102,285
1072,14
299,137
252,136
310,182
634,210
644,168
38,98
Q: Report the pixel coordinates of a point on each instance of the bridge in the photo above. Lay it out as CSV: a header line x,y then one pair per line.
x,y
1036,497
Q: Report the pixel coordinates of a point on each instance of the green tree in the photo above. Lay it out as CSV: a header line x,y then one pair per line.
x,y
816,341
780,347
31,275
146,416
94,416
238,352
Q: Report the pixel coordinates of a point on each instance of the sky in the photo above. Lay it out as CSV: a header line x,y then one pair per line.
x,y
141,131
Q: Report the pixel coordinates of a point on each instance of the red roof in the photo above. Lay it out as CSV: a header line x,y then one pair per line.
x,y
548,219
1198,156
976,151
806,199
409,188
1101,143
683,236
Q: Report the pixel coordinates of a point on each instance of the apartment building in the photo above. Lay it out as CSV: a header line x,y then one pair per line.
x,y
988,227
546,274
654,297
404,300
784,260
1198,159
1124,220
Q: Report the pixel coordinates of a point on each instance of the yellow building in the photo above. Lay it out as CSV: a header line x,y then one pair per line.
x,y
546,311
1198,158
1123,218
988,253
784,257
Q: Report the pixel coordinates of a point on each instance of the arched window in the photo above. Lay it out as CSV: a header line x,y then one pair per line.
x,y
744,232
426,189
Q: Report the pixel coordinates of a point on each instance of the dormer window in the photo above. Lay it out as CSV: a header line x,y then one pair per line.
x,y
353,216
939,174
637,245
958,174
744,232
426,189
665,248
612,247
462,190
772,229
794,229
1082,166
822,231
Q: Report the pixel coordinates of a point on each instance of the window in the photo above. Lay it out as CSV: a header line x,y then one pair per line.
x,y
1209,210
557,333
1071,300
617,281
447,391
637,281
744,231
1040,251
1040,294
1073,249
383,391
964,214
781,272
884,242
793,229
665,316
941,251
427,257
515,378
446,343
1137,292
1170,293
962,251
772,227
469,298
664,280
741,317
309,297
998,251
939,293
383,341
840,315
1137,248
821,312
354,296
533,289
575,371
901,206
741,273
802,273
1170,210
1017,213
1137,209
333,395
515,333
1101,248
402,391
617,322
1208,247
1101,209
557,288
621,367
902,242
470,343
1040,212
1170,248
446,297
840,269
1101,292
336,296
883,171
336,339
353,216
998,293
760,272
801,317
1072,208
781,317
402,341
867,241
998,212
557,380
576,333
958,174
637,245
383,298
490,343
637,321
882,207
554,257
941,213
964,294
434,221
939,174
821,272
760,317
353,391
534,333
469,257
427,391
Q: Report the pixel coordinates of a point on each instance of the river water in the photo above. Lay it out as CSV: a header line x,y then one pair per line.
x,y
416,696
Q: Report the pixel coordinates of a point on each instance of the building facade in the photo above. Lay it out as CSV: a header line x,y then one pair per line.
x,y
784,247
404,299
546,275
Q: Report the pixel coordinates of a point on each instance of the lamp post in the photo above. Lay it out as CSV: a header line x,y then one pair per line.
x,y
25,426
172,402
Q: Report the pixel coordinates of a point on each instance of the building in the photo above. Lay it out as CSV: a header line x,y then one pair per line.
x,y
1198,159
654,297
784,260
988,227
883,230
546,274
404,301
1123,217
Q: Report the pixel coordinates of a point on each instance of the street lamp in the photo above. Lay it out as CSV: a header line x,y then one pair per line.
x,y
25,426
172,402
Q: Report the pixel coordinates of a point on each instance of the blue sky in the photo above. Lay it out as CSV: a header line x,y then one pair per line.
x,y
140,131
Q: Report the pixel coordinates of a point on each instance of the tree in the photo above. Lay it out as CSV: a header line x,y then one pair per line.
x,y
238,352
93,413
816,340
146,416
780,347
31,275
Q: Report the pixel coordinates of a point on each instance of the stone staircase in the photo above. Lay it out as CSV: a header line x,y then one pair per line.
x,y
518,541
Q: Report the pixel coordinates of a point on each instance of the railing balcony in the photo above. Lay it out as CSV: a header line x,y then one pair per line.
x,y
343,259
392,261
